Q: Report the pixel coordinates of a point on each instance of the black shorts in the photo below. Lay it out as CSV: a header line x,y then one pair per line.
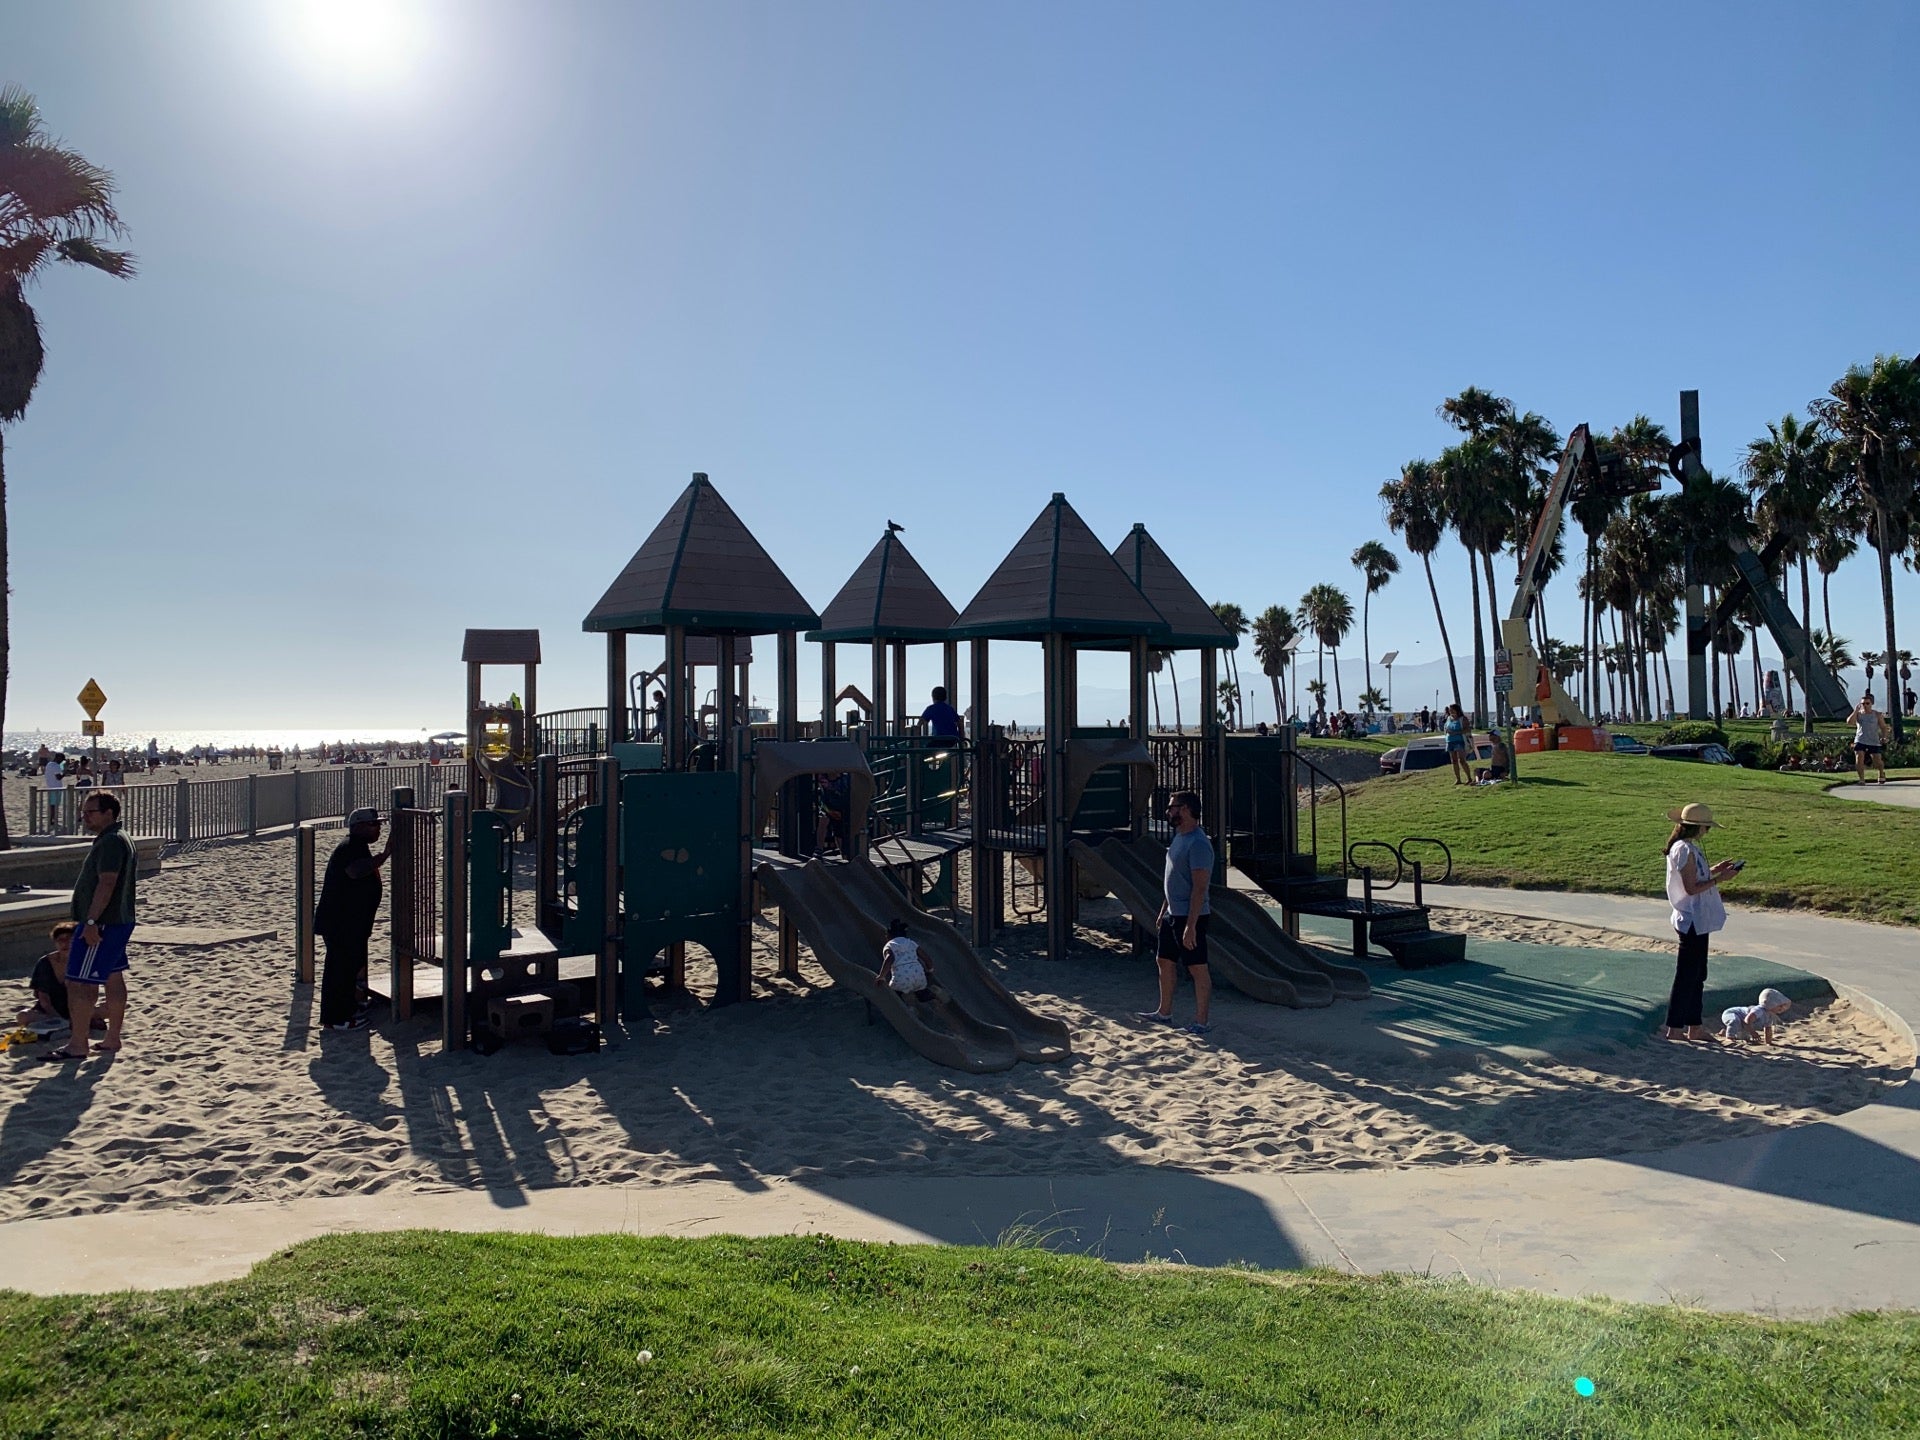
x,y
1860,749
1172,928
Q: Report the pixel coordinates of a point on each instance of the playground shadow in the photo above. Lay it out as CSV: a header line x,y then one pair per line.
x,y
51,1111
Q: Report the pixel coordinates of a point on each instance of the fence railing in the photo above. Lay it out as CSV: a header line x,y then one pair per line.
x,y
184,810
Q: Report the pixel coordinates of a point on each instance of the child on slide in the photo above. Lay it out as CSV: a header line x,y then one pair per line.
x,y
1755,1022
903,969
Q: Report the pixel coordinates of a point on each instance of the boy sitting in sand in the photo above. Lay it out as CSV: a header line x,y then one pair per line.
x,y
903,968
49,984
1754,1022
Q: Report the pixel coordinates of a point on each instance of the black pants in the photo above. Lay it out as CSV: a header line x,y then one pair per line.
x,y
340,979
1689,981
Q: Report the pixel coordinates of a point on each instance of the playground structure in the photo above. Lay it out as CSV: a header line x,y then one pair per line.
x,y
647,847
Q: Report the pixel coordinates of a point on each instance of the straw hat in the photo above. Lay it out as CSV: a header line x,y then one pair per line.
x,y
1694,814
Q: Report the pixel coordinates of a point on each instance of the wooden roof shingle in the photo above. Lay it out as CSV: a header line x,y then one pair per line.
x,y
1058,580
1190,618
501,647
889,597
701,568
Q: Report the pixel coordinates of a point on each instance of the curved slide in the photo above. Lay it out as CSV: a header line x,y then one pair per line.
x,y
842,911
1246,945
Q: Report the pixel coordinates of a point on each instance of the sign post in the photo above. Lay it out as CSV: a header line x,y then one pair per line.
x,y
93,700
1503,685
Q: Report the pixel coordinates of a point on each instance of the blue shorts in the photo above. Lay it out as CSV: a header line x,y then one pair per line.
x,y
92,964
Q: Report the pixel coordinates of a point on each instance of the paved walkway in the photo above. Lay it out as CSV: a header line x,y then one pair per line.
x,y
1821,1218
1895,792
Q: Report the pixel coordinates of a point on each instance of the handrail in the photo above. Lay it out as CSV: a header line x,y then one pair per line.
x,y
1313,811
1429,840
1378,845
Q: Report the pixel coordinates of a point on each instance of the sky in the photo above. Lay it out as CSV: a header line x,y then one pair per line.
x,y
440,304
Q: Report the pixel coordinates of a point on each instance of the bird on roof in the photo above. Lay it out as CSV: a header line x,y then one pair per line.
x,y
893,528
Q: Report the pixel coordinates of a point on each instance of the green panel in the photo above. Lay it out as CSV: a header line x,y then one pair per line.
x,y
1260,796
1103,804
638,755
489,886
680,844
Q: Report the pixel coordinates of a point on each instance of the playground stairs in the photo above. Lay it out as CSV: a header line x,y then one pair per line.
x,y
1403,929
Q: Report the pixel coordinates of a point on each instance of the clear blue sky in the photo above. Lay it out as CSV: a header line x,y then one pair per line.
x,y
429,339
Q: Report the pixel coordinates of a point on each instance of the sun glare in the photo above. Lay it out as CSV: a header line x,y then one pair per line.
x,y
357,42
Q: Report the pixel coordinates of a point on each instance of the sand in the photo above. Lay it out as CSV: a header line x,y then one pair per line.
x,y
226,1091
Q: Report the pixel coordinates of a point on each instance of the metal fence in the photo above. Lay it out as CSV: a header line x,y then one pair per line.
x,y
183,810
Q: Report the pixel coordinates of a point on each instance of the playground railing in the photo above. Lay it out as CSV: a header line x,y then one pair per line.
x,y
1316,778
182,810
1179,763
414,908
306,890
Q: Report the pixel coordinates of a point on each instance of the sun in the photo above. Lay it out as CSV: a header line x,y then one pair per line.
x,y
358,42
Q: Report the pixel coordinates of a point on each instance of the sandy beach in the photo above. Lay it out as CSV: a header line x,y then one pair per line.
x,y
227,1091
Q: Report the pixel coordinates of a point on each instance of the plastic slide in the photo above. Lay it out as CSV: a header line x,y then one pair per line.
x,y
842,911
1246,946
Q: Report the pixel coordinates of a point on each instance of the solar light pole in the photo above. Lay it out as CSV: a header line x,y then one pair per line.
x,y
1387,660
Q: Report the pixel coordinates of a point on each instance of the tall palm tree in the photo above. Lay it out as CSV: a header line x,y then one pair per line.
x,y
1235,620
1874,415
1156,662
1328,613
1273,631
1836,540
56,208
1413,510
1377,565
1639,451
1836,650
1479,516
1156,659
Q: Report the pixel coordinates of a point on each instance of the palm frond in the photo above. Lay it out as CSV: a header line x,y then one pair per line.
x,y
82,251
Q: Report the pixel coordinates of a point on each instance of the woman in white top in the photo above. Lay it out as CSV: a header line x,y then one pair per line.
x,y
1694,890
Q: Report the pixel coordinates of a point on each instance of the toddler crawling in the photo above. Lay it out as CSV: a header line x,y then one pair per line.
x,y
1754,1022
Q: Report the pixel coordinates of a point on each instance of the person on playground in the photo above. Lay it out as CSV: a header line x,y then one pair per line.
x,y
836,800
49,987
1755,1022
1455,727
1869,738
348,905
1184,913
103,908
1694,891
940,719
903,969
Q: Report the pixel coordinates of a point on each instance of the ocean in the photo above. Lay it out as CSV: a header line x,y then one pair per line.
x,y
72,741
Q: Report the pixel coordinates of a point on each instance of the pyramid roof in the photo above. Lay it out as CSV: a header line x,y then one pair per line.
x,y
1194,625
888,598
1058,580
701,568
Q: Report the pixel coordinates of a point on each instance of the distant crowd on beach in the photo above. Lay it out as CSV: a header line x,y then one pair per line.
x,y
56,769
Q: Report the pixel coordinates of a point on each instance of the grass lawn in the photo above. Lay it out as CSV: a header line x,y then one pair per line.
x,y
1597,822
428,1334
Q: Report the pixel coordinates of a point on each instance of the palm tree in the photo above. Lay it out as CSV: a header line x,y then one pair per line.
x,y
1235,620
1378,565
1156,659
1874,415
1156,662
1836,650
1273,631
56,207
1373,700
1638,451
1328,613
1413,510
1318,690
1478,515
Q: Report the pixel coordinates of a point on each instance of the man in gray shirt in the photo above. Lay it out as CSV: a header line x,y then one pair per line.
x,y
1184,913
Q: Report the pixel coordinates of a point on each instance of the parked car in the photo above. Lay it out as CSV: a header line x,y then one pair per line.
x,y
1390,762
1627,745
1708,754
1429,752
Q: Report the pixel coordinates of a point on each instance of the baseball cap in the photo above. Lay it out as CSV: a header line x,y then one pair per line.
x,y
365,815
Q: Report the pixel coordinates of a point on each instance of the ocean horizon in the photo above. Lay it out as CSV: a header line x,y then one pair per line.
x,y
233,738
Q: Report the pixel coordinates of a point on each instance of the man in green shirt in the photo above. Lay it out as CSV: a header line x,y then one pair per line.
x,y
103,909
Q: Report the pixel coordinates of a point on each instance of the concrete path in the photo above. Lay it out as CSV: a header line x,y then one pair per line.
x,y
1894,792
1821,1218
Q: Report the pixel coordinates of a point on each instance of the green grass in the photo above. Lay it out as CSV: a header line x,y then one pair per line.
x,y
456,1335
1598,822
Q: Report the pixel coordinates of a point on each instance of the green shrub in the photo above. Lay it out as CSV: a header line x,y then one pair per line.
x,y
1692,732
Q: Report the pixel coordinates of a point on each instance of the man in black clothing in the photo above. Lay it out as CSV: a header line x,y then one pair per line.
x,y
344,916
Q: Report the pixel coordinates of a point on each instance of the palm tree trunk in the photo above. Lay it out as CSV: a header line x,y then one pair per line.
x,y
1479,646
1666,664
1493,613
1366,637
1173,675
1886,604
1640,663
1440,615
1278,718
6,621
1339,696
1154,680
1826,601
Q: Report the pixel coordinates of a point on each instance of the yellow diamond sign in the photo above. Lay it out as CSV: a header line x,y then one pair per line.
x,y
93,699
